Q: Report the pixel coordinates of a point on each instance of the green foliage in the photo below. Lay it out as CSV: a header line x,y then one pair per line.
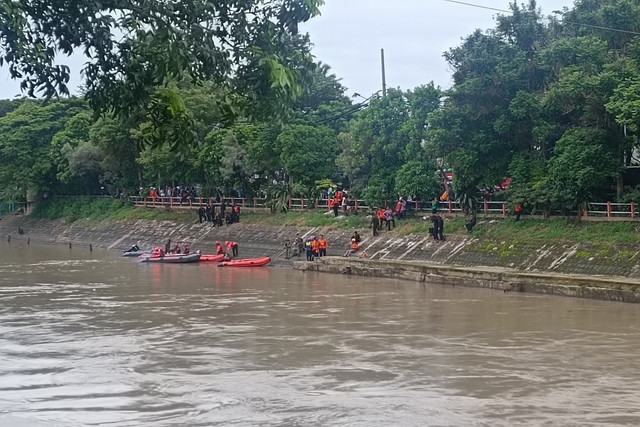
x,y
29,165
582,162
323,184
308,153
134,47
417,178
73,209
278,196
554,106
375,194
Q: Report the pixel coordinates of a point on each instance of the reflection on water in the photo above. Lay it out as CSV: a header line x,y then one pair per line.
x,y
93,339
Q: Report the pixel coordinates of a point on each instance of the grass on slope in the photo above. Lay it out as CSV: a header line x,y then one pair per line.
x,y
496,230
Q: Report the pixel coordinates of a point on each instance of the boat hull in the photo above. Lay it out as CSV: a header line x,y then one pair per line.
x,y
172,258
211,258
135,254
249,262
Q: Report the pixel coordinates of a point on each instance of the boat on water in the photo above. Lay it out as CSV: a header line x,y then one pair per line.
x,y
135,254
171,258
248,262
211,258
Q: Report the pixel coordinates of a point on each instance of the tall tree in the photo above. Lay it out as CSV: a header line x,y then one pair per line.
x,y
135,46
27,168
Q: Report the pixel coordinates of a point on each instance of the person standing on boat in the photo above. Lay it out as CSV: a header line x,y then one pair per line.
x,y
167,247
234,248
219,249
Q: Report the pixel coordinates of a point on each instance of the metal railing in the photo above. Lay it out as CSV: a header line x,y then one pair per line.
x,y
497,208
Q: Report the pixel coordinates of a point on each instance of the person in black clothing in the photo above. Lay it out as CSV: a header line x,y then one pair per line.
x,y
167,247
472,223
223,207
356,236
434,228
440,228
201,214
287,248
235,212
299,244
374,224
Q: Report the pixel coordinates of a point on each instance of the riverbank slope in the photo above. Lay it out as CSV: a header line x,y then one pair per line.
x,y
615,263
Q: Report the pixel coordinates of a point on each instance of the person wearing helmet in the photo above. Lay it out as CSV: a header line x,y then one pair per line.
x,y
309,247
353,249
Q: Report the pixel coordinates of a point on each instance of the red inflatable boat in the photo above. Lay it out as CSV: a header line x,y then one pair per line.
x,y
212,258
249,262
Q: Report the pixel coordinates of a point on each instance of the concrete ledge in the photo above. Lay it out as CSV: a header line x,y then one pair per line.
x,y
594,287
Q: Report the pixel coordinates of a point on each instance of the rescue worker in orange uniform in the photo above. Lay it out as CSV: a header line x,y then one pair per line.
x,y
354,248
334,206
323,245
381,218
315,246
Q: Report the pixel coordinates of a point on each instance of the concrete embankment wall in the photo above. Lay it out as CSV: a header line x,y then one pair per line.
x,y
504,279
546,264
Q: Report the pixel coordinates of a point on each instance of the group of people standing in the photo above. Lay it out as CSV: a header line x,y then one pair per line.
x,y
231,247
387,216
219,216
159,195
338,199
176,249
312,246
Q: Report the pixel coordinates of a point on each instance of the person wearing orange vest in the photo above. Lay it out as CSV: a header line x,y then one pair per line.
x,y
323,245
353,249
334,205
158,252
381,218
518,210
315,246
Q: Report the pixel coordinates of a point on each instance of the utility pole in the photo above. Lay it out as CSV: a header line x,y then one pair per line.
x,y
384,79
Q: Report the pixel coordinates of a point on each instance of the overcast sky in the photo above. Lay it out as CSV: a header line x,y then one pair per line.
x,y
350,33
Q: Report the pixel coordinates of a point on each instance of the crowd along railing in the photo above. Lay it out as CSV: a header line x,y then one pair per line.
x,y
489,207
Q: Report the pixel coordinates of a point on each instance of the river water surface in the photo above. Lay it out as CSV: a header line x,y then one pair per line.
x,y
95,339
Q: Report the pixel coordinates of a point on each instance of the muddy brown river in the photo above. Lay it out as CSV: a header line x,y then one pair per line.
x,y
93,339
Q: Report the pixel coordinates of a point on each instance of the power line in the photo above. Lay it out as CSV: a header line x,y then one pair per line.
x,y
598,27
580,24
478,6
352,110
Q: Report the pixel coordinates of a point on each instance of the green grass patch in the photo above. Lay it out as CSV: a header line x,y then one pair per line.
x,y
306,219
